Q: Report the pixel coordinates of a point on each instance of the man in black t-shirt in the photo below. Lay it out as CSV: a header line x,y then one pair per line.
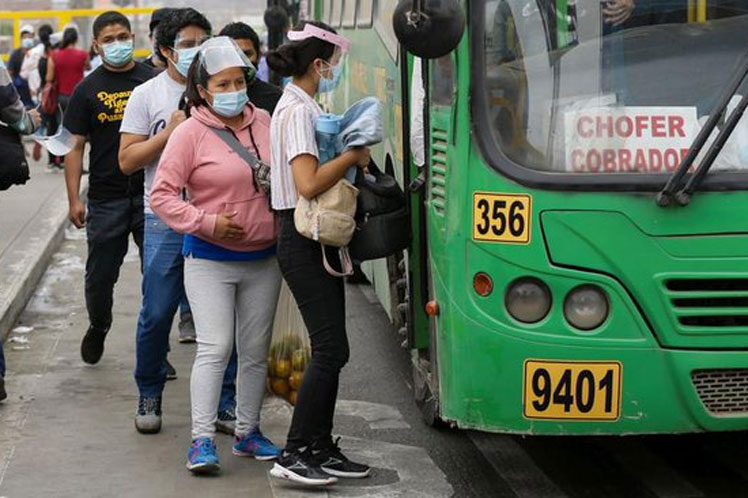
x,y
115,201
261,94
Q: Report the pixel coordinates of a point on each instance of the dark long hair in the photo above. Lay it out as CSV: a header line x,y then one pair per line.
x,y
197,76
69,37
294,58
45,31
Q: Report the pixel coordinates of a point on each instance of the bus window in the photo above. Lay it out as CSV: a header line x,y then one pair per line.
x,y
443,81
337,11
385,9
365,15
619,91
349,13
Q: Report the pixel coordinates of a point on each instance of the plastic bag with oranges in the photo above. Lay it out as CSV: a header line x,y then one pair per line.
x,y
290,349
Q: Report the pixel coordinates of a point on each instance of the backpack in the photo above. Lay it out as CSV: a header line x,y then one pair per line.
x,y
382,217
14,170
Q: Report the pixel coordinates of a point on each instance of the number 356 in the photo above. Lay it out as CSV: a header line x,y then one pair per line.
x,y
502,218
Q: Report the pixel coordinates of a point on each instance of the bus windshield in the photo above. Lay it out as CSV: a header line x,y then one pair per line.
x,y
611,87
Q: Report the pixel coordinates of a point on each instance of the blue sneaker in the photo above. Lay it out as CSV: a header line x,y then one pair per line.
x,y
255,445
202,457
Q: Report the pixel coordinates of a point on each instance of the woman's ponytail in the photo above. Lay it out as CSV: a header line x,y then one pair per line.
x,y
294,58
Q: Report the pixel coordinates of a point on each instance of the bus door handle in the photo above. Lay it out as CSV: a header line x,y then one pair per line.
x,y
418,182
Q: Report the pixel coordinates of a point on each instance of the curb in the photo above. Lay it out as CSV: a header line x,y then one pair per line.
x,y
23,264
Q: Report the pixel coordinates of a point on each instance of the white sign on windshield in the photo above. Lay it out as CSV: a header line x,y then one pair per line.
x,y
628,139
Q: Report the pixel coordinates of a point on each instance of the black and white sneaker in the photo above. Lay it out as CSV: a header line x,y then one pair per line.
x,y
335,463
298,467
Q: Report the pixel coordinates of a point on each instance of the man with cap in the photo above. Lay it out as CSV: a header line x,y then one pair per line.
x,y
155,60
262,94
16,62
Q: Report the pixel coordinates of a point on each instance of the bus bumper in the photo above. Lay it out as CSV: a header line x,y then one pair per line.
x,y
483,384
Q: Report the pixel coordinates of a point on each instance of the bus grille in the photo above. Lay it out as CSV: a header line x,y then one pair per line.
x,y
439,143
723,391
709,303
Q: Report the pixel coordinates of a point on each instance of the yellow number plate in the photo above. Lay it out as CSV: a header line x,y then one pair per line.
x,y
562,390
502,218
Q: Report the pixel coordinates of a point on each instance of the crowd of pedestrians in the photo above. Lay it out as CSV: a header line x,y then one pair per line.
x,y
174,145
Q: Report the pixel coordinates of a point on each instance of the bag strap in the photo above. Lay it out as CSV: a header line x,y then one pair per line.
x,y
345,261
237,146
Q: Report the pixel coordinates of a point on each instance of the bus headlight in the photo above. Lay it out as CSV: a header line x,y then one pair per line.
x,y
528,300
586,307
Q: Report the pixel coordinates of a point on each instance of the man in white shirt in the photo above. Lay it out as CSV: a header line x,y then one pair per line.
x,y
152,114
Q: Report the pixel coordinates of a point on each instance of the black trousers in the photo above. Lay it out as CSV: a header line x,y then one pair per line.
x,y
321,300
109,224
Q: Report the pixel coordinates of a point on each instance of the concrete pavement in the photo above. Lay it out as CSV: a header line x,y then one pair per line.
x,y
66,429
31,228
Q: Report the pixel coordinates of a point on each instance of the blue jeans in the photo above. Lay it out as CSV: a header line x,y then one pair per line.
x,y
2,361
163,291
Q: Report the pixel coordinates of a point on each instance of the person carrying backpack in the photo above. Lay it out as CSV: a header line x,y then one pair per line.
x,y
313,60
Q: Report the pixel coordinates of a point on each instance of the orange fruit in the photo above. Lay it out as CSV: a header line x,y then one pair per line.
x,y
283,368
280,387
298,360
295,380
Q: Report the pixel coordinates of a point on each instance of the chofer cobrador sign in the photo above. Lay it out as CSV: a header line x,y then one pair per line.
x,y
628,139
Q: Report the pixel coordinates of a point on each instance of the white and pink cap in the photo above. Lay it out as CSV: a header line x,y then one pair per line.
x,y
312,31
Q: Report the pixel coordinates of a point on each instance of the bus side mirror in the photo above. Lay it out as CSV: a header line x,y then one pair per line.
x,y
429,28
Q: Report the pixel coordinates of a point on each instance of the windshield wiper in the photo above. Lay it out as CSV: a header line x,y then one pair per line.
x,y
683,196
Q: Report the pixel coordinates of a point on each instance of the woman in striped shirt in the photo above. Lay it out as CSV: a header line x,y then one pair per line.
x,y
312,59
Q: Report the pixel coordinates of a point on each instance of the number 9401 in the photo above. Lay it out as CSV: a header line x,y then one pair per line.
x,y
572,390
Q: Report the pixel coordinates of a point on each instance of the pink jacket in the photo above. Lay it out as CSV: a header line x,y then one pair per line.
x,y
217,180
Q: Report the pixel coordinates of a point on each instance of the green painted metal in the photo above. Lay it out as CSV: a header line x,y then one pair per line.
x,y
621,242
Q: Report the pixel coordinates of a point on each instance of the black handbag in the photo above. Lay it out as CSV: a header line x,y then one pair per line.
x,y
382,217
14,170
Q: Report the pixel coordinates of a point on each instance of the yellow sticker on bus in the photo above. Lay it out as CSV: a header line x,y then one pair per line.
x,y
573,390
504,218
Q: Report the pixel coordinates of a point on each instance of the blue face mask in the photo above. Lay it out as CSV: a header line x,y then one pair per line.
x,y
326,86
229,104
28,43
118,53
186,56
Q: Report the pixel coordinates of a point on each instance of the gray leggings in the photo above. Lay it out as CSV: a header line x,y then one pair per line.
x,y
228,296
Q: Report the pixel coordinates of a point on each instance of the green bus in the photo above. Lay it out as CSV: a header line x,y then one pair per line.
x,y
546,290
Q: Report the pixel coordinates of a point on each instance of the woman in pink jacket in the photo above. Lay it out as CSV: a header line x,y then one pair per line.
x,y
230,267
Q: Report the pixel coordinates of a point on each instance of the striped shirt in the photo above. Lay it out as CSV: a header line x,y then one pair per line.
x,y
292,134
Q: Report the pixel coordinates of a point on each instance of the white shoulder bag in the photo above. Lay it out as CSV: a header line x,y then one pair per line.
x,y
329,219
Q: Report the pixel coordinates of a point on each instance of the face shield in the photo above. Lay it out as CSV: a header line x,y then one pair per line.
x,y
221,53
58,144
333,69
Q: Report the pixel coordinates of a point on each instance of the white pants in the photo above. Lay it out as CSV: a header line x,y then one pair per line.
x,y
230,301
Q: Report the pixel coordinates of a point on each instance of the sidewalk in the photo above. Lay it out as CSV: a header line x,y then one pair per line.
x,y
31,227
66,429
